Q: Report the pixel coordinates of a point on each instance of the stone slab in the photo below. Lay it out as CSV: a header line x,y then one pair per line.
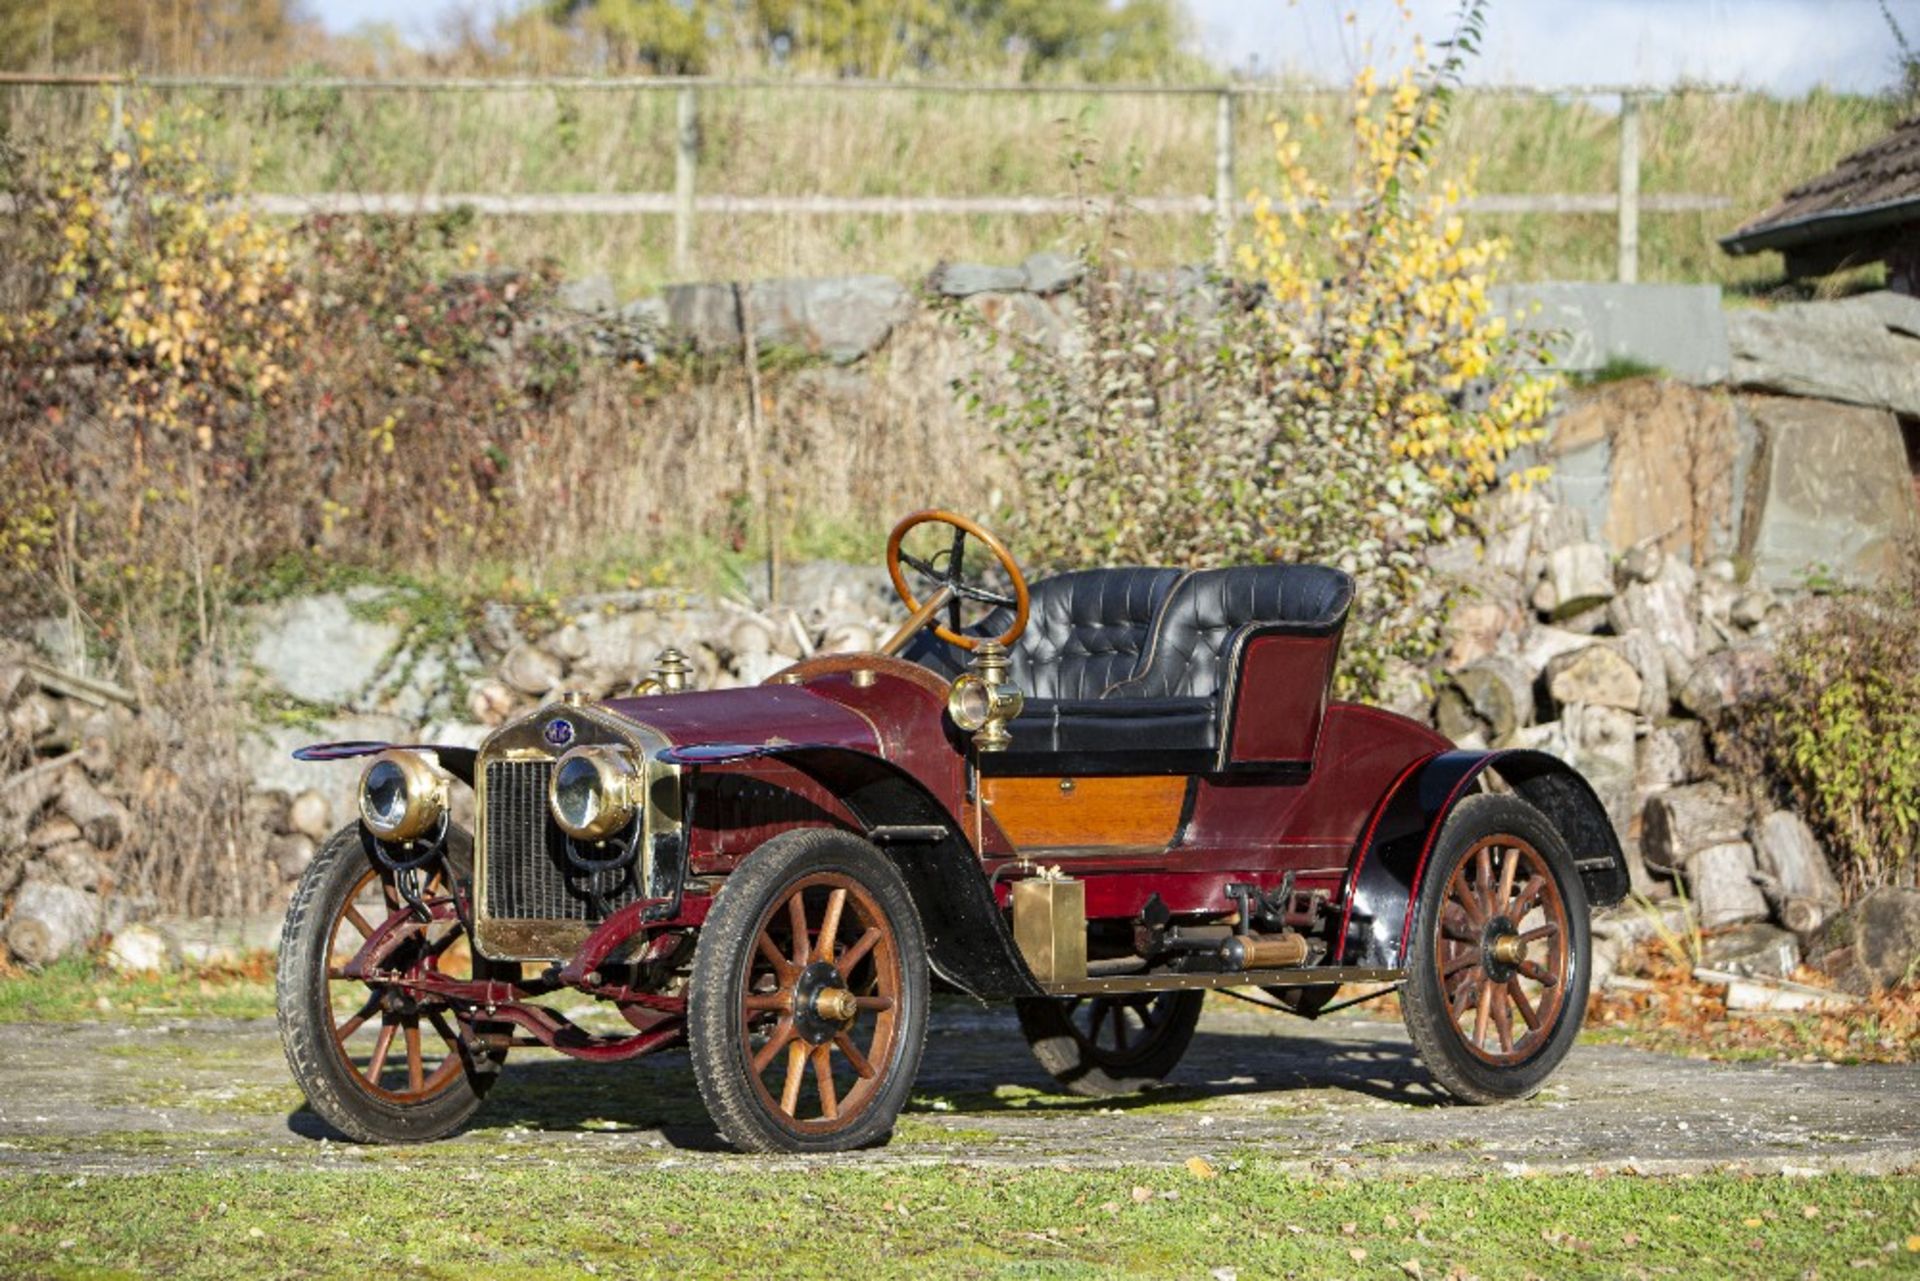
x,y
1830,495
1857,350
1678,328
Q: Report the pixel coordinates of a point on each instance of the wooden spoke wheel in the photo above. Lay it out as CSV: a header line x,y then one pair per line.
x,y
808,1005
1105,1045
1497,981
379,1062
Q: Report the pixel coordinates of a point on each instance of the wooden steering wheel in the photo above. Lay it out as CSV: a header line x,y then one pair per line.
x,y
950,582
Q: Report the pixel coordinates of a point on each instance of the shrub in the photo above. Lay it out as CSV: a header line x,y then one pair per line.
x,y
1350,408
1840,728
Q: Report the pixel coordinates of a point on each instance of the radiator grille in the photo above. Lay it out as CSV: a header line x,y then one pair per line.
x,y
527,876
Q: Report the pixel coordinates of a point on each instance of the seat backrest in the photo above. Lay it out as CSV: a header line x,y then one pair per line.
x,y
1207,606
1086,630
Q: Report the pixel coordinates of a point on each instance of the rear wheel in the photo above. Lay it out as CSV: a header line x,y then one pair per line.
x,y
1498,959
1099,1046
808,1004
377,1062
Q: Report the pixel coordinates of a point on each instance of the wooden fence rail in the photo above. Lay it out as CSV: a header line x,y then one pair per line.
x,y
685,202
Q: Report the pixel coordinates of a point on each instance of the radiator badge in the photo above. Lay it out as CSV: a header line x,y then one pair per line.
x,y
559,732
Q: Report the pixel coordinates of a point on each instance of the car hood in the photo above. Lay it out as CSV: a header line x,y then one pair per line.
x,y
760,714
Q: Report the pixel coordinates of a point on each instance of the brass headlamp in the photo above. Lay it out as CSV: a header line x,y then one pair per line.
x,y
594,792
981,700
402,798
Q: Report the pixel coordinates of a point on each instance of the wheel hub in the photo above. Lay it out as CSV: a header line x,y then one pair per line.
x,y
1502,949
822,1006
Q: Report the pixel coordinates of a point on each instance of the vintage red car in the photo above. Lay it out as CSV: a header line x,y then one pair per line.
x,y
1117,790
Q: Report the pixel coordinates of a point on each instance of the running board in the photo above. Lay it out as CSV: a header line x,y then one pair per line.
x,y
1322,976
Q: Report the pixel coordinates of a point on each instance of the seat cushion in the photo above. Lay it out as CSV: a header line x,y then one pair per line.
x,y
1189,645
1102,725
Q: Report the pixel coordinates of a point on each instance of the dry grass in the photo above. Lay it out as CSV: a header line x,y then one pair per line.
x,y
1747,147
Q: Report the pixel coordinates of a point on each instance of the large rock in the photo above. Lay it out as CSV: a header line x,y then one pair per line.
x,y
1838,350
1049,273
138,949
1678,328
1831,493
1662,608
1580,577
1598,675
316,649
1653,463
271,768
840,317
965,279
1883,932
1720,879
1795,871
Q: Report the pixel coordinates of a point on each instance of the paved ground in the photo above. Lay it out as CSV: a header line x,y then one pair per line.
x,y
1343,1096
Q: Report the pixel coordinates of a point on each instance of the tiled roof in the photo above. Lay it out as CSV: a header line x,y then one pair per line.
x,y
1872,187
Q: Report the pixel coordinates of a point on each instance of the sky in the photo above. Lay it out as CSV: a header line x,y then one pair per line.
x,y
1786,46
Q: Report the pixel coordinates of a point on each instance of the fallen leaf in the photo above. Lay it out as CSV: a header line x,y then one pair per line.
x,y
1357,1254
1411,1267
1422,1214
1809,1211
1913,1244
1390,1221
1141,1195
1750,1223
1197,1166
1631,1238
1349,1229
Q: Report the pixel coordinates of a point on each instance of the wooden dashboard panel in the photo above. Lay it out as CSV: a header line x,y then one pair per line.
x,y
1049,813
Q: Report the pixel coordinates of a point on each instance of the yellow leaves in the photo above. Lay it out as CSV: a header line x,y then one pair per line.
x,y
1201,1168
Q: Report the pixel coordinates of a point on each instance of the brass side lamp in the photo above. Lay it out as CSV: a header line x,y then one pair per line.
x,y
982,701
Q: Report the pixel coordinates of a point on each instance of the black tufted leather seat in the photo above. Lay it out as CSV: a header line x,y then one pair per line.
x,y
1132,661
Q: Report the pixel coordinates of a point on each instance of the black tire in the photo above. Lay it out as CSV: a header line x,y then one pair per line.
x,y
338,1089
1462,994
1066,1035
742,1007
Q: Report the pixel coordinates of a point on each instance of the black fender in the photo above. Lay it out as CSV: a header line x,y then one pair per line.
x,y
457,761
968,943
1390,859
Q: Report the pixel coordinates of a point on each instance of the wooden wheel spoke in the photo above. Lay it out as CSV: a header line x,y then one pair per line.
x,y
771,953
1503,1018
769,1002
796,1071
378,1063
858,952
797,923
1529,895
446,1033
823,1081
854,1056
1508,866
830,922
1483,881
1482,1014
1540,932
1463,961
1121,1040
416,1068
1538,973
780,1038
1463,896
359,1018
1525,1006
359,922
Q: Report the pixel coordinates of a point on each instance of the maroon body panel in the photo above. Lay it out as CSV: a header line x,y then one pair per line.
x,y
758,714
1280,699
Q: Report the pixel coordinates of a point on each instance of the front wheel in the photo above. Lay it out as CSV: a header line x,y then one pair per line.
x,y
377,1062
808,1005
1498,961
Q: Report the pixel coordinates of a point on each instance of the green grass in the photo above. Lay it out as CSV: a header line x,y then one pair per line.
x,y
506,1219
1748,148
77,988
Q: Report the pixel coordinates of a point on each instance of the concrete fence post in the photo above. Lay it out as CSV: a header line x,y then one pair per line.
x,y
686,158
1629,225
1224,201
